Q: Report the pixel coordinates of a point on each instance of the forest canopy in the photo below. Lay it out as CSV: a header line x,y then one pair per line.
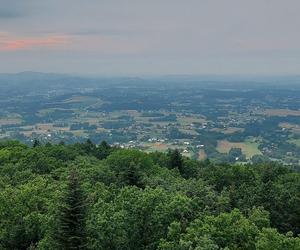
x,y
87,196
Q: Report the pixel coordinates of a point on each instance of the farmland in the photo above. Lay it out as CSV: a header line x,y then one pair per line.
x,y
280,112
296,142
248,147
220,121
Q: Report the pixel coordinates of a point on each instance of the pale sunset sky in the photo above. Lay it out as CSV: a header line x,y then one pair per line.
x,y
136,37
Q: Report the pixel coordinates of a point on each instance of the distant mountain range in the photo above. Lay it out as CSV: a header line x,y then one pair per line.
x,y
38,81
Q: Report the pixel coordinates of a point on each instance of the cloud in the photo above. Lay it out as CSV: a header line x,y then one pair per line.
x,y
195,36
9,14
14,9
82,42
11,43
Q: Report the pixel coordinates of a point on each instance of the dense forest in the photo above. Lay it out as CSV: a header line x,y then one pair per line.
x,y
87,196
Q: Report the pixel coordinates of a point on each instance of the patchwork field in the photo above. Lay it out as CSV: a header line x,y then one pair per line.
x,y
188,131
187,120
295,128
156,116
228,131
82,99
163,147
249,148
202,155
49,111
279,112
10,121
296,142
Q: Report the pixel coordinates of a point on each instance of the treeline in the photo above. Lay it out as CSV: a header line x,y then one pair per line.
x,y
87,196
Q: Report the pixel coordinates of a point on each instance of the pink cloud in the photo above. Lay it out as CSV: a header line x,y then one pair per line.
x,y
86,43
10,43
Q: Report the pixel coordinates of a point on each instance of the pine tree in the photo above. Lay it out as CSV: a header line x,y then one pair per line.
x,y
132,175
62,143
176,160
89,147
71,234
103,150
36,143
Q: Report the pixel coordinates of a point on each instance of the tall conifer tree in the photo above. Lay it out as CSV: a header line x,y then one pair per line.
x,y
71,234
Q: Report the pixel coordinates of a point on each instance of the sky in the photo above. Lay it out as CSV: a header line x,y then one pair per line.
x,y
150,37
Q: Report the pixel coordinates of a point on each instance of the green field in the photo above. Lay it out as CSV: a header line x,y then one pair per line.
x,y
296,142
249,148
